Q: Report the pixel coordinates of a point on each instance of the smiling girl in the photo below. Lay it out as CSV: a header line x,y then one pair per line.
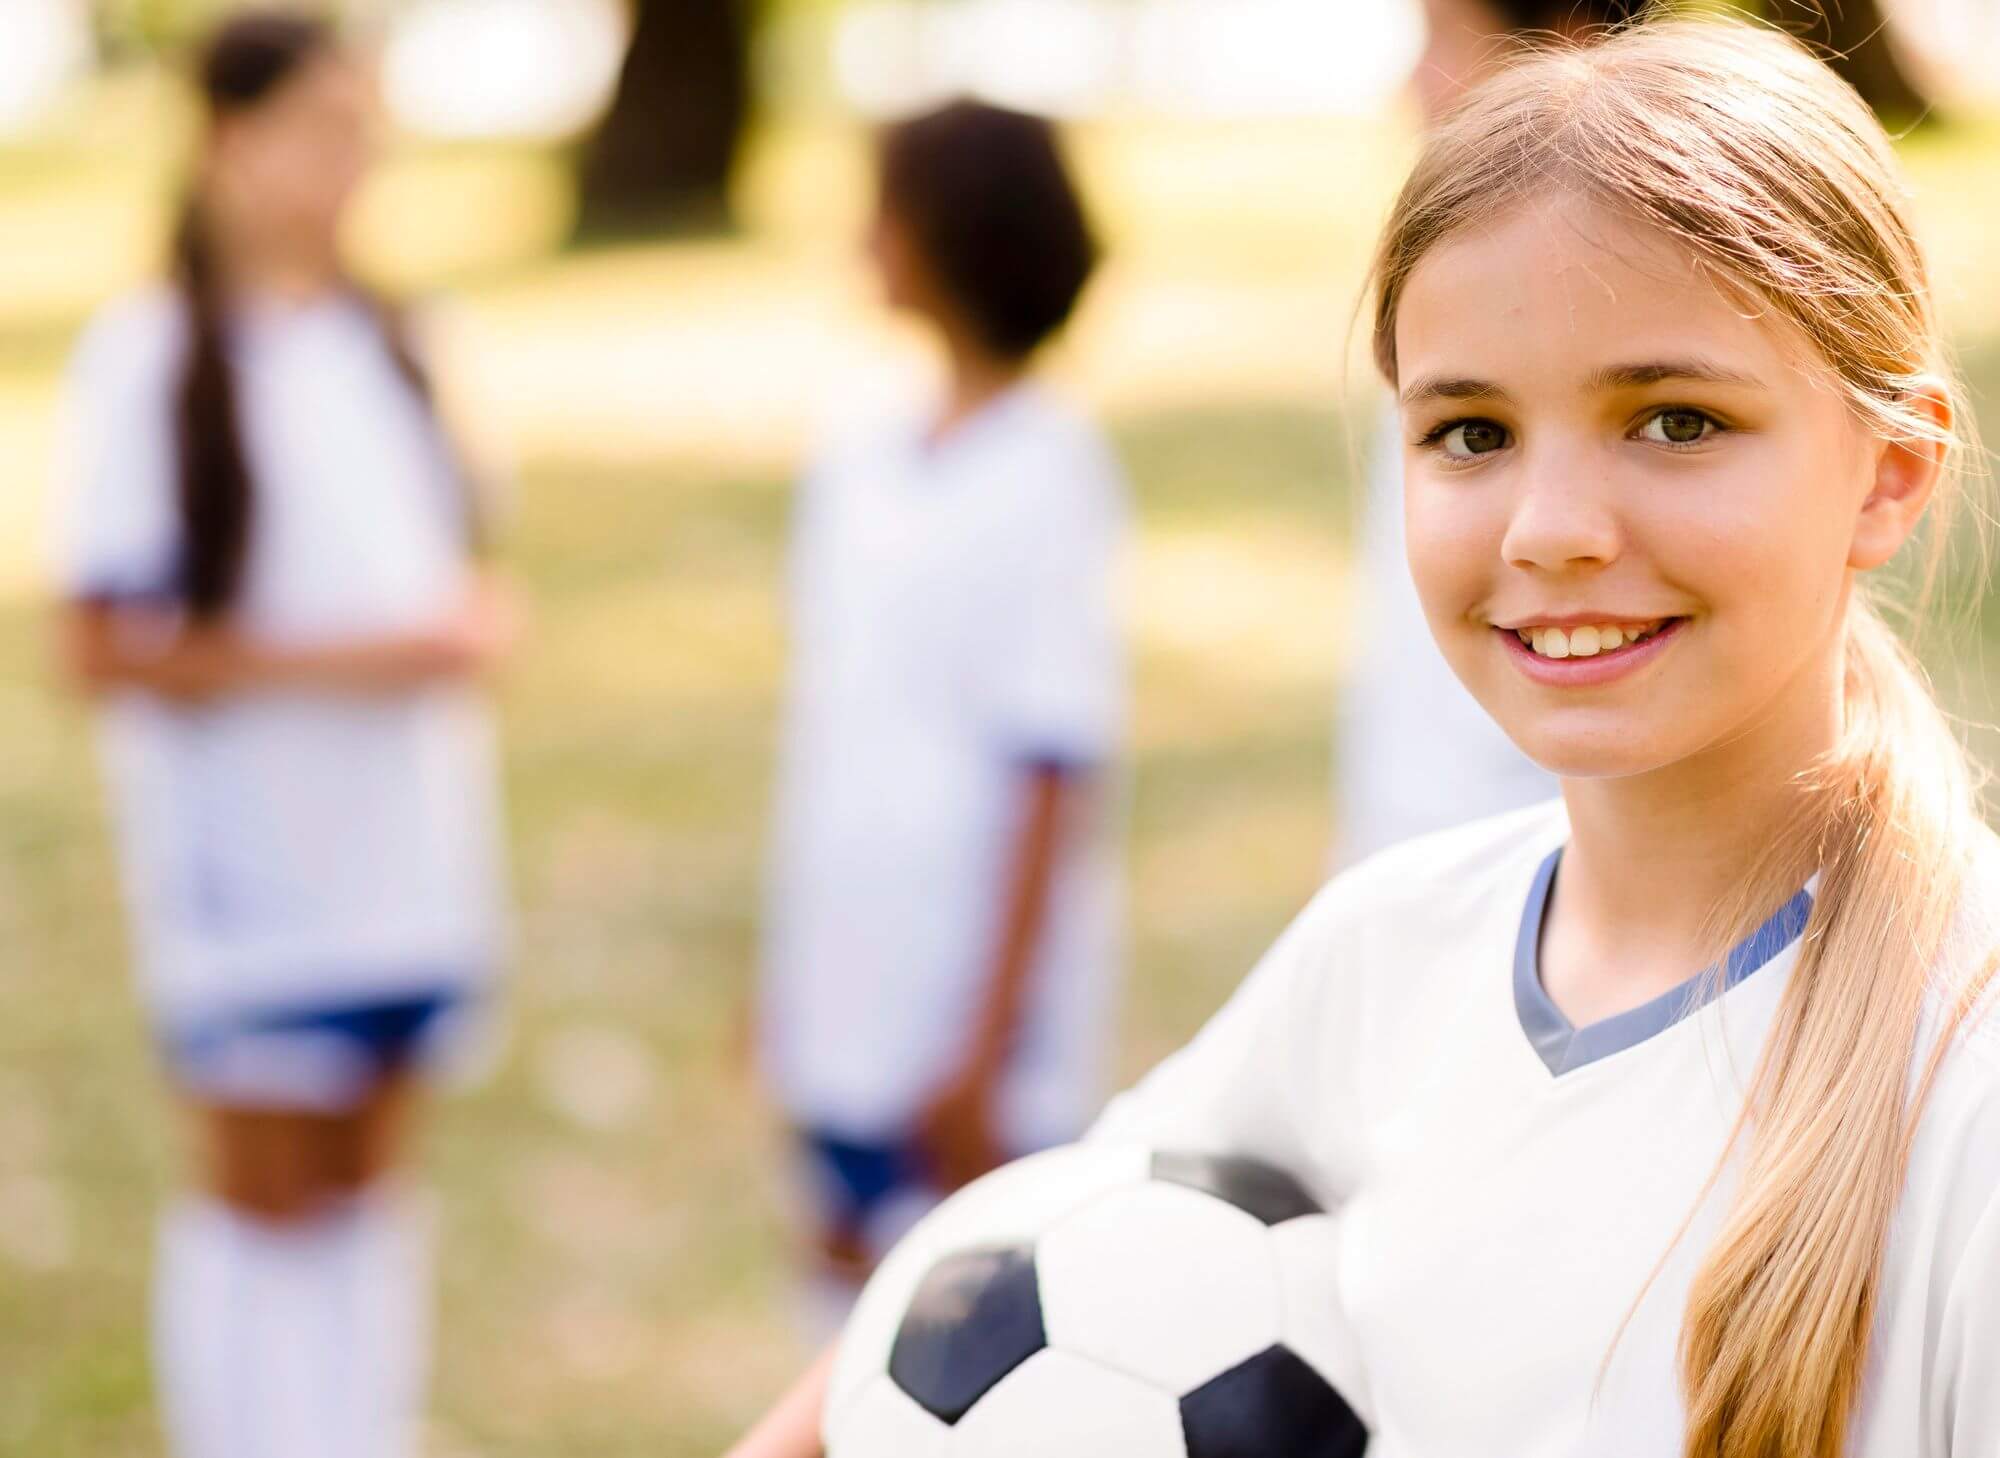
x,y
1671,385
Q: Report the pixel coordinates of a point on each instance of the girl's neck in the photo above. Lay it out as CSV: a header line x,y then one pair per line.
x,y
282,271
1652,856
975,378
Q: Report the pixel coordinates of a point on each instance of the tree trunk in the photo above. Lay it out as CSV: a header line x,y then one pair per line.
x,y
1861,49
662,158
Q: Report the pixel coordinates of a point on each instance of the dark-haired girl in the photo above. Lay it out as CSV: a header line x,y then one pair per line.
x,y
942,919
272,592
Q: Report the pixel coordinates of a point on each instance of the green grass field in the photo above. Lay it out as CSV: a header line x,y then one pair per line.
x,y
613,1278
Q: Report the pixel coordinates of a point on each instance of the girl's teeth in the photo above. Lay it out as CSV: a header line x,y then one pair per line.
x,y
1586,642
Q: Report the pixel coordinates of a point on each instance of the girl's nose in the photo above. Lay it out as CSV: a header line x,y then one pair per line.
x,y
1563,517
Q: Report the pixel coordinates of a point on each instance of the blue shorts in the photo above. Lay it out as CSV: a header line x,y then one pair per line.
x,y
854,1183
871,1193
322,1059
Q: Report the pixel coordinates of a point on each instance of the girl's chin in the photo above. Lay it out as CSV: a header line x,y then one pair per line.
x,y
1601,740
1602,752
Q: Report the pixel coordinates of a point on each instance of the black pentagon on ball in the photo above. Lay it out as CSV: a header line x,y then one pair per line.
x,y
1273,1406
1256,1188
976,1317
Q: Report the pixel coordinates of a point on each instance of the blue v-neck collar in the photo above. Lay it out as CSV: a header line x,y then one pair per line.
x,y
1564,1048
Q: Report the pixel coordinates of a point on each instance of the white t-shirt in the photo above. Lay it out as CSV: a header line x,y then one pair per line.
x,y
1416,752
294,848
1505,1183
953,621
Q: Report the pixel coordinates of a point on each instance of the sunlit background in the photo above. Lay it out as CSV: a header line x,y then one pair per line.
x,y
614,1278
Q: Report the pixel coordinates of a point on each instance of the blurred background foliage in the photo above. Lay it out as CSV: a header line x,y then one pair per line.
x,y
664,148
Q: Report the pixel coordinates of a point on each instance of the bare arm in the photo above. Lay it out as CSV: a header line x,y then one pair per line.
x,y
112,646
1048,794
957,1130
791,1429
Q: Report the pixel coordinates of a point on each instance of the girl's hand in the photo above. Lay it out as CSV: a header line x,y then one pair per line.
x,y
478,635
791,1429
956,1129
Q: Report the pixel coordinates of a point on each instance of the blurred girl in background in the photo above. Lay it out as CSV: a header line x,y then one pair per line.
x,y
272,589
943,918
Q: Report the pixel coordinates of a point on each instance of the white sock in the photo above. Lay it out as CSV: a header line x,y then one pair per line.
x,y
298,1340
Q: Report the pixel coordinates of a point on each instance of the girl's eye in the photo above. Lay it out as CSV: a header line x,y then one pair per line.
x,y
1678,428
1468,439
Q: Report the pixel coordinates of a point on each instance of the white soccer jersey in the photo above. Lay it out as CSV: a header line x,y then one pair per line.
x,y
952,621
1506,1183
289,848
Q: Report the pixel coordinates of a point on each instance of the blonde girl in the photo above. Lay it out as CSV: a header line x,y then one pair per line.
x,y
1671,387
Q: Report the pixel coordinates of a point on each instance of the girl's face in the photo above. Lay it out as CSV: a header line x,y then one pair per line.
x,y
287,167
903,274
1634,509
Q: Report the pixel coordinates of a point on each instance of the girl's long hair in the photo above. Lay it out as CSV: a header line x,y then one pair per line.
x,y
243,65
1773,175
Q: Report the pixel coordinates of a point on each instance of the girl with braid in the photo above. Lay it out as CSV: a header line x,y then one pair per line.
x,y
273,593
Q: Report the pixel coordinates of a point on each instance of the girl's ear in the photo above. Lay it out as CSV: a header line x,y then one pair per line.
x,y
1907,472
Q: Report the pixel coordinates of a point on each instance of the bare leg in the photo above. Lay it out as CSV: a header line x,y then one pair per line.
x,y
293,1293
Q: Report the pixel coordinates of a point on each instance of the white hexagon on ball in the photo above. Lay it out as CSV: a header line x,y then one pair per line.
x,y
881,1419
1161,1282
1072,1406
1315,1321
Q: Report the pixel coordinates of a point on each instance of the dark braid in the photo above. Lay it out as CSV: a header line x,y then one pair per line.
x,y
246,61
214,477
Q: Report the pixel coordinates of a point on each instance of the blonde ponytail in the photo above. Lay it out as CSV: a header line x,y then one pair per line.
x,y
1752,155
1779,1316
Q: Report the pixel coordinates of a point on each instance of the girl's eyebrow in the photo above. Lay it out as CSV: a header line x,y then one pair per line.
x,y
1636,376
1611,377
1440,387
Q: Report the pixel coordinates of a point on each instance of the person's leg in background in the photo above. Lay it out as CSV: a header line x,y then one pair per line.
x,y
292,1310
859,1200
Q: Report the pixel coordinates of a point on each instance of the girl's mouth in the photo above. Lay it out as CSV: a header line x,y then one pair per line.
x,y
1587,655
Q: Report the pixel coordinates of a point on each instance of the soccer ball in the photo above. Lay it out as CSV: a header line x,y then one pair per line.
x,y
1104,1301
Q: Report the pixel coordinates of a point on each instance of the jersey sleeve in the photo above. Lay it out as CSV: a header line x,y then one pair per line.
x,y
1265,1078
117,527
1053,682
